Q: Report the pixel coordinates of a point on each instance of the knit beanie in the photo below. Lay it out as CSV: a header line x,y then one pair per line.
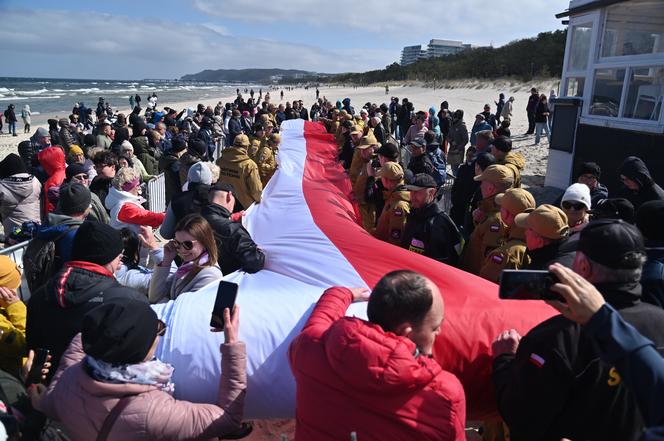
x,y
119,332
12,165
199,173
10,276
649,219
74,169
74,199
578,193
97,243
75,150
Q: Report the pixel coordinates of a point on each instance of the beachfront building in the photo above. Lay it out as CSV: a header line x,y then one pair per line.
x,y
439,48
411,54
435,48
612,90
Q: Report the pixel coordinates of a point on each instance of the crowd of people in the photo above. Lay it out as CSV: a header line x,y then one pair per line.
x,y
95,263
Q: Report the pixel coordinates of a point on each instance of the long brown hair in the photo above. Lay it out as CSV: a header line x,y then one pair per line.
x,y
200,229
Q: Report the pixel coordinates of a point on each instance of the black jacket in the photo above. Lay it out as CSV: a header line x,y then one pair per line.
x,y
652,278
557,387
191,201
101,186
462,192
56,310
555,252
635,169
169,163
431,232
421,164
237,250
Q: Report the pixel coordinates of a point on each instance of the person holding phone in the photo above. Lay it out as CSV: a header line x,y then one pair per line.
x,y
551,384
110,379
194,243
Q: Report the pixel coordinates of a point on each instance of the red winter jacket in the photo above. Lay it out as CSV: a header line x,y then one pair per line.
x,y
351,376
52,159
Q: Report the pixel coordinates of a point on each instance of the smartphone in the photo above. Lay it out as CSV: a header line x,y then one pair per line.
x,y
226,294
35,374
527,285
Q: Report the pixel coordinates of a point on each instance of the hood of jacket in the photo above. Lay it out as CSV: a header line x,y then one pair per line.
x,y
371,360
235,155
79,282
635,169
20,185
140,144
52,159
118,197
516,159
55,219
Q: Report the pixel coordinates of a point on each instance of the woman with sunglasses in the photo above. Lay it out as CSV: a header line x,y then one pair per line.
x,y
76,173
110,385
194,243
576,205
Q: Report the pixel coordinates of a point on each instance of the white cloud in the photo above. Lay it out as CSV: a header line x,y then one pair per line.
x,y
109,46
476,21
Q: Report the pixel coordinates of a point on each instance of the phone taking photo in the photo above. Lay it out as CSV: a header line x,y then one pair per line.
x,y
527,285
226,295
35,374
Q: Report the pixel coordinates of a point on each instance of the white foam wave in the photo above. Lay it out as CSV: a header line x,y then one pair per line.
x,y
31,92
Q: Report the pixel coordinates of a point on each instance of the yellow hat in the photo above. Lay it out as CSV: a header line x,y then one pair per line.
x,y
516,200
75,150
241,141
10,276
368,141
546,220
496,174
390,170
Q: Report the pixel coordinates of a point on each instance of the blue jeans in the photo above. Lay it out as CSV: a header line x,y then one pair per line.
x,y
538,131
11,128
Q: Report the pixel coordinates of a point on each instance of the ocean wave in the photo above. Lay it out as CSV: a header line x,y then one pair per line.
x,y
14,98
31,92
88,90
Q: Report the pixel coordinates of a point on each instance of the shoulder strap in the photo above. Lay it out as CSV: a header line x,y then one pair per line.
x,y
112,417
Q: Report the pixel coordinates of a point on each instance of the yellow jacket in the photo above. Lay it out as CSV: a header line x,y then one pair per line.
x,y
237,169
511,254
267,163
12,343
392,221
485,237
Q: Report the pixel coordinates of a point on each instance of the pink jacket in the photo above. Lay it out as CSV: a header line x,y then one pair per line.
x,y
82,403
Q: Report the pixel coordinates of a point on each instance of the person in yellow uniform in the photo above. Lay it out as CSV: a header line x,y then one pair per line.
x,y
266,158
367,208
489,227
392,220
257,140
501,149
359,162
237,168
13,315
511,254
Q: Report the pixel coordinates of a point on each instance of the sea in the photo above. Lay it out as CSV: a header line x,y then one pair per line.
x,y
50,97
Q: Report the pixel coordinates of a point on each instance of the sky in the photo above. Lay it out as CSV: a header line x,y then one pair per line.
x,y
137,39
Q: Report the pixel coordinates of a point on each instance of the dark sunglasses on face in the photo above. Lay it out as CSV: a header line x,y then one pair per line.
x,y
186,244
161,328
573,205
81,177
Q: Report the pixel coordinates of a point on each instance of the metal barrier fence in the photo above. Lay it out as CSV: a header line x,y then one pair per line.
x,y
446,190
15,253
156,194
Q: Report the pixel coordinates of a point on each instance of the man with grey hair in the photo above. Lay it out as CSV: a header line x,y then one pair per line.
x,y
552,384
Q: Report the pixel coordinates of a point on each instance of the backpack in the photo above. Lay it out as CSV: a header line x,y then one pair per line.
x,y
39,260
439,173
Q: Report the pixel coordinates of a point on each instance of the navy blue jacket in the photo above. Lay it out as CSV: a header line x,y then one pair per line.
x,y
652,278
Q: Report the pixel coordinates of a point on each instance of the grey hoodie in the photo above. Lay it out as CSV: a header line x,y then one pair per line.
x,y
19,200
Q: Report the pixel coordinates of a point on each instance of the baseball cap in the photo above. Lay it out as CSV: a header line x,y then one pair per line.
x,y
388,150
614,208
418,142
516,200
367,141
222,186
390,170
421,181
241,141
546,220
613,243
496,174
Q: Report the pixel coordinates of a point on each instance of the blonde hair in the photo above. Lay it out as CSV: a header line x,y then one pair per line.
x,y
122,176
92,152
215,171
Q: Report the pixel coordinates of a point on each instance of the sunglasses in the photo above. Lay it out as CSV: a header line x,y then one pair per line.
x,y
573,205
81,177
161,328
186,244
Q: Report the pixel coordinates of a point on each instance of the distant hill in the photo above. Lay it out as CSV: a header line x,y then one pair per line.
x,y
246,75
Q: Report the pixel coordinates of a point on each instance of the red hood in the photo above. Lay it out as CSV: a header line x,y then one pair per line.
x,y
367,358
52,159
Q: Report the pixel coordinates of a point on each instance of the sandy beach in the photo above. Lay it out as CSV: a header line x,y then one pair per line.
x,y
469,96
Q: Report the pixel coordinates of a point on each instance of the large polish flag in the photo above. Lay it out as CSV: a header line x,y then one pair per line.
x,y
307,226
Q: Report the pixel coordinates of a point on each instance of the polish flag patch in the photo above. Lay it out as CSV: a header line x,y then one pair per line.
x,y
537,360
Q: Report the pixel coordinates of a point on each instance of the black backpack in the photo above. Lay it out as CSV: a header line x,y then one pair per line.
x,y
39,260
